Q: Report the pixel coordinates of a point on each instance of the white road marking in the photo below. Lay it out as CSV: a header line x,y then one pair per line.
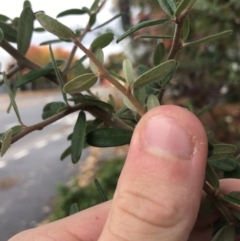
x,y
41,144
3,164
20,154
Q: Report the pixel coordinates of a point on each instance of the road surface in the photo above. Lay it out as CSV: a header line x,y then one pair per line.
x,y
31,169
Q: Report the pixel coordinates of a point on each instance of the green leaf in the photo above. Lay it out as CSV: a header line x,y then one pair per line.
x,y
39,30
232,198
142,25
186,28
78,137
27,4
6,142
102,195
128,104
128,71
140,95
152,102
10,33
236,213
99,55
226,164
107,22
153,36
11,96
142,69
58,62
16,129
73,11
54,26
159,54
25,29
92,102
207,207
4,18
168,6
102,41
1,35
211,177
183,6
210,38
233,174
165,81
54,41
66,153
79,63
226,233
155,73
57,72
80,83
120,112
33,75
74,209
107,137
52,109
92,19
94,5
221,151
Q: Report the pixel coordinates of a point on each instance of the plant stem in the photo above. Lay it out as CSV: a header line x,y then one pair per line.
x,y
105,116
105,75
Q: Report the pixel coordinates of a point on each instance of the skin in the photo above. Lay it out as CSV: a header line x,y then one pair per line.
x,y
159,190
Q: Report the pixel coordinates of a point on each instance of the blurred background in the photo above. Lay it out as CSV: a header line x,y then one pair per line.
x,y
207,82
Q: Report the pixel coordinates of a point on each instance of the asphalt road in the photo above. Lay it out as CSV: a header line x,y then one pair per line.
x,y
31,169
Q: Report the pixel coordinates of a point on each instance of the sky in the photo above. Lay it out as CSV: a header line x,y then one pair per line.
x,y
12,8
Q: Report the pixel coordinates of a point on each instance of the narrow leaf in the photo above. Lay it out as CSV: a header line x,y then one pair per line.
x,y
128,71
54,41
226,233
54,26
186,28
78,137
94,5
232,198
142,25
25,29
39,30
74,209
165,81
107,137
211,177
128,104
27,4
140,95
221,151
210,38
58,62
110,20
66,153
155,73
233,174
72,12
52,109
183,6
16,129
153,36
226,164
4,18
33,75
120,112
159,54
102,41
102,195
168,6
1,35
99,55
80,83
11,96
92,102
6,142
92,19
152,102
142,69
57,72
10,33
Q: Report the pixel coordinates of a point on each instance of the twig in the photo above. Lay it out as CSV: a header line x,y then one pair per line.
x,y
105,75
95,111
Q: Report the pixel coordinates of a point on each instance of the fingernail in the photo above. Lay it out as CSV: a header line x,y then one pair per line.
x,y
165,135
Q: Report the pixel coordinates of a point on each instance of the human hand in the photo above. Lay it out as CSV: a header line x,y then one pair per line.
x,y
159,190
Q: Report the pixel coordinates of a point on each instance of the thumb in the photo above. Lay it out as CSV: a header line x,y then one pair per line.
x,y
159,191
